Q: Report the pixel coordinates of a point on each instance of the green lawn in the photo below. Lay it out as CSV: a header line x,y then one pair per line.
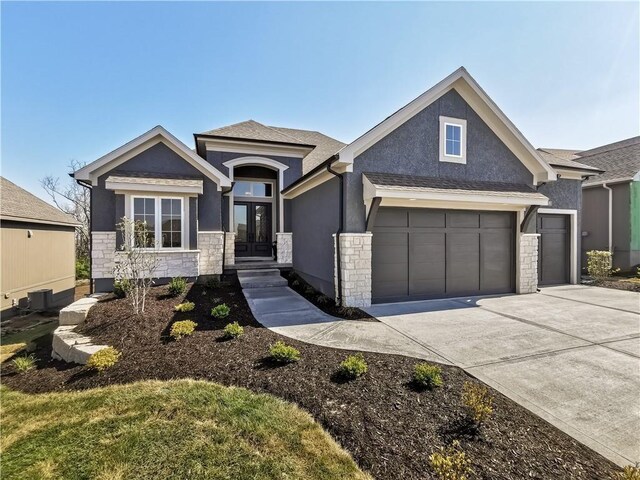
x,y
162,430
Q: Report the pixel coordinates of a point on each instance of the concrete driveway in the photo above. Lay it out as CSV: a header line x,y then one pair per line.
x,y
570,354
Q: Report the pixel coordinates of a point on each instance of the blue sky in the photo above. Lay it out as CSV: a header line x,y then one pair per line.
x,y
80,79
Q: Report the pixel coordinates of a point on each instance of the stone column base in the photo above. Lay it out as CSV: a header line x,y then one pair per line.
x,y
284,246
210,246
355,266
103,254
528,263
229,248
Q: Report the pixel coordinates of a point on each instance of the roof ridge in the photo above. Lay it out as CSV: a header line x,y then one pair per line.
x,y
603,148
281,133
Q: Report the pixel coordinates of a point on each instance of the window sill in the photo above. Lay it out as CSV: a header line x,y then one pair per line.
x,y
449,159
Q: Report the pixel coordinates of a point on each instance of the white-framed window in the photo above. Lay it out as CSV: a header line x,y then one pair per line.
x,y
250,188
164,219
453,140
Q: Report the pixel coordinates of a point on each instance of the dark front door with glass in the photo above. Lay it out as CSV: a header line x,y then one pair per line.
x,y
253,229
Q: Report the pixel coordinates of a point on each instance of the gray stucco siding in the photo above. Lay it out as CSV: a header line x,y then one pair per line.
x,y
413,149
314,219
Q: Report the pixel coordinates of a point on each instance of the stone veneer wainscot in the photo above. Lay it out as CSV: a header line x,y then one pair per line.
x,y
355,264
528,275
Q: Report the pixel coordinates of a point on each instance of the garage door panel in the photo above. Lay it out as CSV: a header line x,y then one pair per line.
x,y
497,261
558,222
427,218
392,217
463,219
463,262
427,263
553,254
496,220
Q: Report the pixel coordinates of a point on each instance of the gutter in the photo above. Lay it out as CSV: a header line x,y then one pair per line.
x,y
606,187
338,232
85,184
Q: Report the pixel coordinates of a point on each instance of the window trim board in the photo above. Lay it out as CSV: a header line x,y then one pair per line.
x,y
442,139
184,212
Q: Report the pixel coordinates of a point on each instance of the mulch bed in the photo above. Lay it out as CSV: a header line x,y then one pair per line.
x,y
389,427
324,303
630,284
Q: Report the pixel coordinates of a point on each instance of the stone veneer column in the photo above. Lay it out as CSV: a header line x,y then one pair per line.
x,y
355,265
103,252
528,257
284,246
210,246
229,248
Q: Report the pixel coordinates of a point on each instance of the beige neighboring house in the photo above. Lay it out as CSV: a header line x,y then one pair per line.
x,y
38,250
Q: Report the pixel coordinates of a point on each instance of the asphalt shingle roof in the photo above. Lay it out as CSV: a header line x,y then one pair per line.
x,y
324,146
621,162
557,157
18,204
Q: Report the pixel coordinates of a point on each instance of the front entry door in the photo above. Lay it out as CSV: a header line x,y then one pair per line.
x,y
252,222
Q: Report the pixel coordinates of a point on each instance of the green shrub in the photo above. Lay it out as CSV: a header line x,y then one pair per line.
x,y
177,286
220,311
353,366
450,463
295,283
213,283
103,359
82,268
280,352
309,290
349,311
478,402
25,363
233,330
322,299
427,376
630,472
121,288
185,307
182,328
599,264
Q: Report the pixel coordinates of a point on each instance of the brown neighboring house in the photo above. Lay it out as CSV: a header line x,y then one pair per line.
x,y
38,249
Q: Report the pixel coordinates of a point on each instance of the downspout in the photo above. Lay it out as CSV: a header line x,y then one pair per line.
x,y
606,187
339,232
89,186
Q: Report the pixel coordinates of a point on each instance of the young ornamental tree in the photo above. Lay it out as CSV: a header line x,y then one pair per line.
x,y
136,261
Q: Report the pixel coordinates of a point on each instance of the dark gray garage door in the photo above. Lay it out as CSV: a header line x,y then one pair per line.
x,y
553,258
425,253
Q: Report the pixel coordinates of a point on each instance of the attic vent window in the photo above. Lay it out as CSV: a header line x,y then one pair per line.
x,y
453,140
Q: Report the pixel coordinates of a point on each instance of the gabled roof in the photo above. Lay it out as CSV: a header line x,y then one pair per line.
x,y
19,205
158,134
620,161
565,158
472,93
612,146
322,146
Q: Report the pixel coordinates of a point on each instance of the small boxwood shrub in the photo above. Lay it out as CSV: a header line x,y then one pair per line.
x,y
309,290
426,375
629,472
280,352
182,328
121,288
322,299
104,359
353,366
185,307
599,264
478,401
25,363
220,311
177,286
233,330
450,463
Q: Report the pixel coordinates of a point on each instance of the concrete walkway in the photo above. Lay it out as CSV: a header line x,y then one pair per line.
x,y
570,354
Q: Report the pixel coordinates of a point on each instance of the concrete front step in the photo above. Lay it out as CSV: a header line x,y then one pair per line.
x,y
261,278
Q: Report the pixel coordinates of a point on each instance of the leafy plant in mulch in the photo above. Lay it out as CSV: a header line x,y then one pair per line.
x,y
182,328
121,287
450,463
220,311
185,307
280,352
103,359
630,472
233,330
177,286
353,367
322,299
25,363
477,401
349,311
426,375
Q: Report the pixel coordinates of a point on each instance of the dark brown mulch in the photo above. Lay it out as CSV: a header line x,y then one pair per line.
x,y
324,303
629,284
388,426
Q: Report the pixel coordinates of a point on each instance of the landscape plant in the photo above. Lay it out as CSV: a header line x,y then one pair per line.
x,y
120,288
233,330
135,264
25,363
104,359
599,264
280,352
185,307
177,286
182,328
220,311
426,375
353,366
478,401
629,472
450,463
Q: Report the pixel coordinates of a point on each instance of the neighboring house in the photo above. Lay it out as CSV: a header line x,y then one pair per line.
x,y
38,249
443,198
610,198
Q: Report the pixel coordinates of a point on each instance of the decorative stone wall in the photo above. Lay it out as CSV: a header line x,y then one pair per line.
x,y
528,274
229,248
355,264
284,246
210,246
176,264
103,249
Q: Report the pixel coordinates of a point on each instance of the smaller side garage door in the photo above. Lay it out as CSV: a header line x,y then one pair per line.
x,y
425,253
553,251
